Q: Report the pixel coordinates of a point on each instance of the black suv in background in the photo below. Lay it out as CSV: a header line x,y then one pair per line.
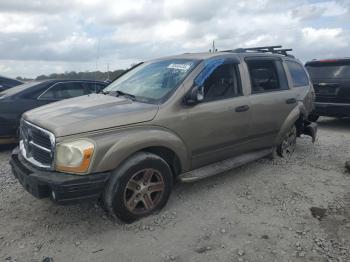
x,y
17,100
6,83
331,80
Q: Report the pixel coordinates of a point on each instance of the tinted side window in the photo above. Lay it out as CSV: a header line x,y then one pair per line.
x,y
264,76
94,87
65,90
224,82
298,74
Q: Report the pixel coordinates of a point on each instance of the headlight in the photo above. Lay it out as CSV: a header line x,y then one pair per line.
x,y
74,157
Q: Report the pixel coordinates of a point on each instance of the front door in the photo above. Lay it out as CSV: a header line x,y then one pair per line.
x,y
220,124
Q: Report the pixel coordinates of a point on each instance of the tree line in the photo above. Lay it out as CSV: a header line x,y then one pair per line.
x,y
94,75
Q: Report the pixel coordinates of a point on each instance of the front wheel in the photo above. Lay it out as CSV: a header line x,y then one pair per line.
x,y
287,147
140,186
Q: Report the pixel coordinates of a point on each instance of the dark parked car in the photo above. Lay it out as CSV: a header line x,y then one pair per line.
x,y
17,100
331,80
6,83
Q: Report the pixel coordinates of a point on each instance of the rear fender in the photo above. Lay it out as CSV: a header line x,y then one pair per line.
x,y
305,127
310,129
287,124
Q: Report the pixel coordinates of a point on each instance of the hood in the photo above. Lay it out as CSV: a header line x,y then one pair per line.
x,y
90,113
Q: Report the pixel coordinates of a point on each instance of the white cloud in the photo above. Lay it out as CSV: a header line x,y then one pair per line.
x,y
320,9
16,23
324,37
39,36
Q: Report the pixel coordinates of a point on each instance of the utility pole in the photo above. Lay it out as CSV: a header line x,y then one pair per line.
x,y
213,48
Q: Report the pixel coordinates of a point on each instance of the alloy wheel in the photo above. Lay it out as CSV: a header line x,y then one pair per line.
x,y
144,191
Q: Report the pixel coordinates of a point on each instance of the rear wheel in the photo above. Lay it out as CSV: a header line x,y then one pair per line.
x,y
139,187
287,147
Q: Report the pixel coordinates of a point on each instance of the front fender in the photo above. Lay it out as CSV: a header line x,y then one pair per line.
x,y
115,147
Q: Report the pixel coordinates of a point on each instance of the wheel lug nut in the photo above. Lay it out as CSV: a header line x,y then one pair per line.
x,y
138,187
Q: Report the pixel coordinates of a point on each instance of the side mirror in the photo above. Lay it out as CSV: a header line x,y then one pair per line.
x,y
195,96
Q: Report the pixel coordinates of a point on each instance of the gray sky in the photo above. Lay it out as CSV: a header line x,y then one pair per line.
x,y
42,37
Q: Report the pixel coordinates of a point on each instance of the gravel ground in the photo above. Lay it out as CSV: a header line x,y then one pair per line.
x,y
269,210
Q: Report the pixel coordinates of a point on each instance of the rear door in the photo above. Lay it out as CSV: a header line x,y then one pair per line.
x,y
331,80
271,98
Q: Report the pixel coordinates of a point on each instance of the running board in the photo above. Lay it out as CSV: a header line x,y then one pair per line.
x,y
222,166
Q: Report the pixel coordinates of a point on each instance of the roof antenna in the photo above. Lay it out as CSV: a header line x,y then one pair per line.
x,y
213,48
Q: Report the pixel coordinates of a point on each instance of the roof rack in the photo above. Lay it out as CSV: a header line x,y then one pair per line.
x,y
274,49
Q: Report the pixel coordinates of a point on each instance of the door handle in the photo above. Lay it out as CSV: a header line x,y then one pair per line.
x,y
291,101
242,108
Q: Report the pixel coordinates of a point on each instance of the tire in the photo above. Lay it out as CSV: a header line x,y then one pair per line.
x,y
139,187
313,117
287,146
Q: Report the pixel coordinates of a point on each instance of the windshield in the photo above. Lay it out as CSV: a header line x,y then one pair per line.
x,y
329,70
154,81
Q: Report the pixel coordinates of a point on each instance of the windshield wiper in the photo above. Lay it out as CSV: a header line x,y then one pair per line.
x,y
121,93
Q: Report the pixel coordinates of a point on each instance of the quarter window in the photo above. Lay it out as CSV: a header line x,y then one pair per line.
x,y
222,83
298,74
266,76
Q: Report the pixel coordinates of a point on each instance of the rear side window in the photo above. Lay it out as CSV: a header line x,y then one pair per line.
x,y
266,75
298,74
222,83
338,69
65,90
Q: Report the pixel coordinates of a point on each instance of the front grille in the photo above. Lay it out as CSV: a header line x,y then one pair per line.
x,y
37,145
42,156
40,139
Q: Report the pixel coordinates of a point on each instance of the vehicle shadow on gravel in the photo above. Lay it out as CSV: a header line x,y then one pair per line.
x,y
338,124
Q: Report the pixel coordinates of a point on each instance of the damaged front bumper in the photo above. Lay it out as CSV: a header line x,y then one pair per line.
x,y
60,187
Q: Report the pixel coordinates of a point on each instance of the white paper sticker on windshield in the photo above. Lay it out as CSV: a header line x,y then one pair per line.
x,y
183,67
